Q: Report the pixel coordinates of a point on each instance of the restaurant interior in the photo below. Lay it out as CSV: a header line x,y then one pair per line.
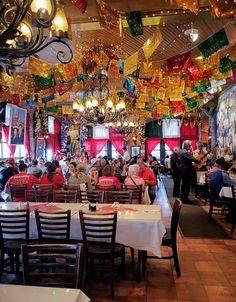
x,y
118,150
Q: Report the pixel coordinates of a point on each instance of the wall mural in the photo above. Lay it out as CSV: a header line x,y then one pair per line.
x,y
226,120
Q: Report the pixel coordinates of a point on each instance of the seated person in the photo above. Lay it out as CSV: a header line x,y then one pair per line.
x,y
108,178
221,179
117,166
217,165
34,169
21,179
52,177
133,178
232,169
79,177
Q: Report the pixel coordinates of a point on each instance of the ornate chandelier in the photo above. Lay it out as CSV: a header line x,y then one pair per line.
x,y
29,26
98,106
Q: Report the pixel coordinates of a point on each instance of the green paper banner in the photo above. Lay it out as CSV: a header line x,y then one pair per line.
x,y
213,44
134,20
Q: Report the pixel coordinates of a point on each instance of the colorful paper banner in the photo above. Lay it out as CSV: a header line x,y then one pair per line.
x,y
179,62
152,43
131,64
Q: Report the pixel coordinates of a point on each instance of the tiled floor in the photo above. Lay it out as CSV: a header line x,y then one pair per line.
x,y
208,273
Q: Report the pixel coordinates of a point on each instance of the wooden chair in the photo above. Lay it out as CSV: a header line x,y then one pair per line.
x,y
233,210
66,196
136,192
52,265
99,238
37,195
169,239
53,226
18,192
93,196
47,187
14,231
119,196
218,206
105,188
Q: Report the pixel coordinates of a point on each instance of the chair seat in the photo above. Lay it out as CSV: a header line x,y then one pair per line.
x,y
104,249
167,239
13,245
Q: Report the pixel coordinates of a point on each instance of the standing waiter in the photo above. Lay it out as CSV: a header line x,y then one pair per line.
x,y
186,160
176,171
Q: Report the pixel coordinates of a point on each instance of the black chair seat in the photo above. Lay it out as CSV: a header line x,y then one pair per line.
x,y
104,249
167,236
13,245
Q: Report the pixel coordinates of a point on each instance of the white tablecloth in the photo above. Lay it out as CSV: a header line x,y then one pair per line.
x,y
226,192
138,226
21,293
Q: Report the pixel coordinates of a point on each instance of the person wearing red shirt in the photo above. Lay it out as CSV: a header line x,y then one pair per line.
x,y
21,179
149,178
52,178
108,178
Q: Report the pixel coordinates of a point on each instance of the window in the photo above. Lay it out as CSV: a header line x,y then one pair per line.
x,y
171,128
114,152
157,151
51,124
5,152
100,132
104,152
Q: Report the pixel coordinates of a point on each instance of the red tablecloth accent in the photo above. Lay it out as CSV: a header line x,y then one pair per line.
x,y
44,207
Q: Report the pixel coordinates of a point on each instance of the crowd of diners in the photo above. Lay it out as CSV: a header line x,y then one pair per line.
x,y
66,170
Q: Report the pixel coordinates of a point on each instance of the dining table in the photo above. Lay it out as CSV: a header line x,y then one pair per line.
x,y
22,293
138,226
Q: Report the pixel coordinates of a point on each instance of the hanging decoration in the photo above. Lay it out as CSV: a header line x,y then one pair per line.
x,y
213,44
135,24
43,83
222,8
179,62
39,67
108,17
113,69
81,5
152,43
131,64
191,5
65,72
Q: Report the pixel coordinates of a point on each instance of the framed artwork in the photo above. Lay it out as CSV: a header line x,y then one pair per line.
x,y
17,126
135,151
40,148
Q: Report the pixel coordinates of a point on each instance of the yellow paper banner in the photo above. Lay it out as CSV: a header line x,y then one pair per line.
x,y
131,64
152,43
39,67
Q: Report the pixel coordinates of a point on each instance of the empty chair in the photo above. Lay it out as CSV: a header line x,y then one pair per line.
x,y
169,239
14,231
52,265
37,196
99,238
53,226
136,192
17,192
119,196
232,212
65,196
93,196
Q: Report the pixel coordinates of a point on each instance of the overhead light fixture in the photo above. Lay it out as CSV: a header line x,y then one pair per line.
x,y
23,30
192,33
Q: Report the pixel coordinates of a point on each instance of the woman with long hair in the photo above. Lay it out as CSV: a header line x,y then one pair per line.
x,y
79,177
52,177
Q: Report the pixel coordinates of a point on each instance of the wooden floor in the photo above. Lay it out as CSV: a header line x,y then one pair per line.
x,y
208,273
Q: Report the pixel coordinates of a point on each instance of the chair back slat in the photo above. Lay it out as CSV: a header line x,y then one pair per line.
x,y
66,196
37,195
14,223
136,192
18,192
124,197
93,196
98,227
51,224
105,187
47,187
175,217
52,265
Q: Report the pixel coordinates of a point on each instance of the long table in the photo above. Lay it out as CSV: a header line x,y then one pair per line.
x,y
138,226
21,293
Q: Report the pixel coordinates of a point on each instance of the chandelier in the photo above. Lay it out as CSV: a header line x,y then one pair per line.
x,y
29,26
98,106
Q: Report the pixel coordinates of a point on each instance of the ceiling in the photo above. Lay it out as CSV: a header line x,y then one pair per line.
x,y
172,27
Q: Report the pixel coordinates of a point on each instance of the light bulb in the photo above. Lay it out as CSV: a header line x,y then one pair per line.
x,y
75,105
131,124
118,124
94,102
109,104
81,108
88,104
110,124
125,124
106,125
59,24
41,5
26,33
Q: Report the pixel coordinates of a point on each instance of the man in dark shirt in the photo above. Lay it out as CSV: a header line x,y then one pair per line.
x,y
186,160
8,172
176,171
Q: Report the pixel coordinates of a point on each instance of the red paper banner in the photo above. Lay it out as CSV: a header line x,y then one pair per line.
x,y
81,5
179,62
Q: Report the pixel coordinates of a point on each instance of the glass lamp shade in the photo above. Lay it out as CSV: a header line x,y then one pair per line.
x,y
42,8
88,104
109,104
75,106
59,24
26,33
94,102
81,108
